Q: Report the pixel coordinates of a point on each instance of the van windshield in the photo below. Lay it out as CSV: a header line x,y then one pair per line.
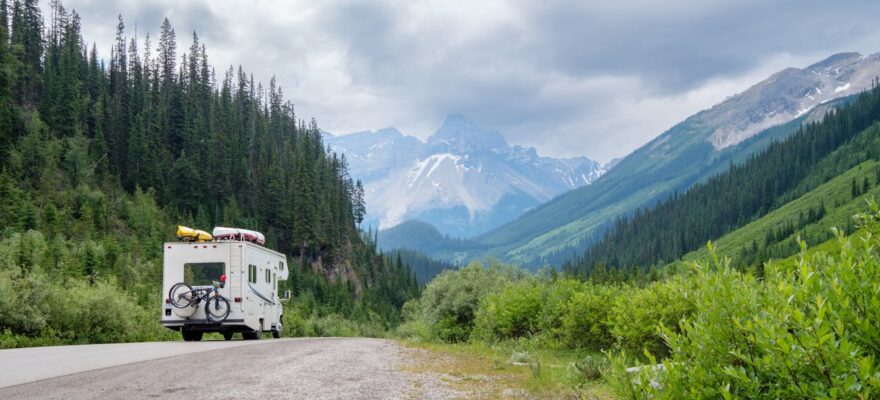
x,y
203,274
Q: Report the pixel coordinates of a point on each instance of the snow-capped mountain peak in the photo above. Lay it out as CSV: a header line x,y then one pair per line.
x,y
463,179
459,135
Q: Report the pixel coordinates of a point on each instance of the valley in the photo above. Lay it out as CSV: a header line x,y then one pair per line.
x,y
694,150
592,201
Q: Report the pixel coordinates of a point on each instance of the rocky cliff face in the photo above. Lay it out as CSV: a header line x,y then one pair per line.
x,y
789,94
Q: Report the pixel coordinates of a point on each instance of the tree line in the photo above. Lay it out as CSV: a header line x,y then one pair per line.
x,y
100,158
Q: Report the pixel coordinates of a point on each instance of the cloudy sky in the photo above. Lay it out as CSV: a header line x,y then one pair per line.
x,y
594,78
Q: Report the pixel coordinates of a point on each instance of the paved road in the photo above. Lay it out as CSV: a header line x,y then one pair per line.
x,y
317,368
19,366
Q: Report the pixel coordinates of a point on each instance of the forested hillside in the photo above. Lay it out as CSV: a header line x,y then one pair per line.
x,y
425,268
688,153
101,157
783,172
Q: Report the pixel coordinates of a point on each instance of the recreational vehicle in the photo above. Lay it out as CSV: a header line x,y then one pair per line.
x,y
227,269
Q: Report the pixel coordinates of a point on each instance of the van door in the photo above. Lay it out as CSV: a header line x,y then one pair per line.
x,y
236,275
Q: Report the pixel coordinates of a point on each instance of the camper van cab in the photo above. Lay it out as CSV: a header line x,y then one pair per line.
x,y
252,274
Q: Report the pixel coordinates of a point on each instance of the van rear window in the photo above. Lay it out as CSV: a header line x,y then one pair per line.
x,y
203,274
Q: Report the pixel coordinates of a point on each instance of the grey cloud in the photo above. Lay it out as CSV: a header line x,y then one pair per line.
x,y
572,77
678,45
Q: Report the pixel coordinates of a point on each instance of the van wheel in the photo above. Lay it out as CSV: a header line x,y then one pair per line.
x,y
191,336
276,333
252,335
227,335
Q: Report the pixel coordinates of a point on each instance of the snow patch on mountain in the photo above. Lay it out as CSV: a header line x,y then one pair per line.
x,y
463,179
787,95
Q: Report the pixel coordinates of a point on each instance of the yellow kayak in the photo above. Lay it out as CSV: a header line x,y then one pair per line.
x,y
188,234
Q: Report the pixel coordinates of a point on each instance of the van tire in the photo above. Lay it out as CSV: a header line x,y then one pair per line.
x,y
191,336
276,333
227,335
252,335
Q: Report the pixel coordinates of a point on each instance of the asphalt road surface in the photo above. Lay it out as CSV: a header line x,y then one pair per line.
x,y
314,368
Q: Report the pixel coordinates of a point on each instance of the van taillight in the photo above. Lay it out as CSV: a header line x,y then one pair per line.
x,y
237,299
167,301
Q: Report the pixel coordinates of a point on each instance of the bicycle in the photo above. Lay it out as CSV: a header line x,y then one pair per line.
x,y
217,307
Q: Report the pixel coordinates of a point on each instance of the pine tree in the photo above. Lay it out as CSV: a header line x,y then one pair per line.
x,y
27,47
359,208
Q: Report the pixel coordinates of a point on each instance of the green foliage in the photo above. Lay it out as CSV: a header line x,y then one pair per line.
x,y
587,369
557,295
339,326
449,303
498,304
512,312
75,312
803,329
806,331
586,322
636,315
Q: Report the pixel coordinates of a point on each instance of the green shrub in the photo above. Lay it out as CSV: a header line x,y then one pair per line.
x,y
294,324
805,332
513,312
636,317
587,369
449,303
554,306
22,303
333,325
586,321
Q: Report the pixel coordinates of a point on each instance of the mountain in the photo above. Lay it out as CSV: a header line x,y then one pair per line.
x,y
425,238
820,173
692,151
463,179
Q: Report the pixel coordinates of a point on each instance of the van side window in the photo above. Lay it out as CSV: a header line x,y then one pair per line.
x,y
268,275
252,273
281,265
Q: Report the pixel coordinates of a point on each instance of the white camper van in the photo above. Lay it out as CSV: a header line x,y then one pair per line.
x,y
251,288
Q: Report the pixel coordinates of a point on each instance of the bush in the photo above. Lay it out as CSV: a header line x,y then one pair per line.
x,y
554,306
808,331
587,369
333,325
586,321
449,303
22,303
637,317
513,312
45,300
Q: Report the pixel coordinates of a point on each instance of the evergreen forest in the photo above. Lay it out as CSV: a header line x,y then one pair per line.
x,y
103,154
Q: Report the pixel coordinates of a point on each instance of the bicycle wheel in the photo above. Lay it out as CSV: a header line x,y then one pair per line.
x,y
218,308
181,295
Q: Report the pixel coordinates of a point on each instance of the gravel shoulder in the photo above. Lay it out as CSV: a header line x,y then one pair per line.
x,y
314,368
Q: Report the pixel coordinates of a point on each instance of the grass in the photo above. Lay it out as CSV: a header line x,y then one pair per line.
x,y
506,370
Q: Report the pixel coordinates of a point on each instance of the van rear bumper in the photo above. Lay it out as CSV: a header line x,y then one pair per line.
x,y
228,325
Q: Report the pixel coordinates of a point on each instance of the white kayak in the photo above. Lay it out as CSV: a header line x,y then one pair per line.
x,y
221,233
